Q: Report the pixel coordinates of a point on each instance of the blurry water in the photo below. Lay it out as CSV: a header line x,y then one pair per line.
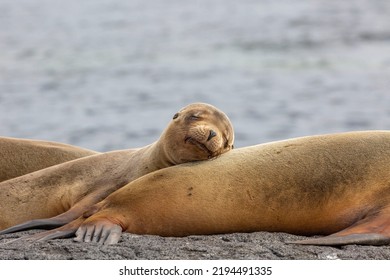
x,y
110,74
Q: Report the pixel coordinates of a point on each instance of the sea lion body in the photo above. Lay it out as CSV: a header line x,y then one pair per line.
x,y
21,156
331,184
63,192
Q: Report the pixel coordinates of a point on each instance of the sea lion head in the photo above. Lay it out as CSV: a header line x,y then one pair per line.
x,y
198,131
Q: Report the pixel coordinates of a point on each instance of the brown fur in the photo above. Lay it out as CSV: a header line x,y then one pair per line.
x,y
21,156
198,132
311,185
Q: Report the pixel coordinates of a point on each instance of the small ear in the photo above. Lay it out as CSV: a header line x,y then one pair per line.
x,y
175,116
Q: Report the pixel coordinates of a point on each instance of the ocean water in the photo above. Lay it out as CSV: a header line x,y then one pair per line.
x,y
110,74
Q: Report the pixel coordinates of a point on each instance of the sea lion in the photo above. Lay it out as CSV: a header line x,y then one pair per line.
x,y
335,184
197,132
21,156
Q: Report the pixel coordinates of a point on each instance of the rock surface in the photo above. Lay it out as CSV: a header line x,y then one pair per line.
x,y
243,246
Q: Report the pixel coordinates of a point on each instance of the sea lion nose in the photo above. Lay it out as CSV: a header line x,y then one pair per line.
x,y
211,135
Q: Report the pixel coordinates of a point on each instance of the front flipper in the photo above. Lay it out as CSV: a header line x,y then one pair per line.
x,y
100,231
372,230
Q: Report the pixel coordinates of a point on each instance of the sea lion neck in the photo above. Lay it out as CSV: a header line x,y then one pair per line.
x,y
156,156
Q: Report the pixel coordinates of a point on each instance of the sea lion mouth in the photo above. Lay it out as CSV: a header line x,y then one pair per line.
x,y
199,145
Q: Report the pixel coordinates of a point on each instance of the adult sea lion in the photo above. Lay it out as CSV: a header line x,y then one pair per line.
x,y
63,192
335,184
21,156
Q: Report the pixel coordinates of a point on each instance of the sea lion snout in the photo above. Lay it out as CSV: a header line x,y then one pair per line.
x,y
206,127
211,135
199,131
206,139
206,135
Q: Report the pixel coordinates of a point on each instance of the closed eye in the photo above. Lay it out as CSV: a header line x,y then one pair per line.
x,y
194,118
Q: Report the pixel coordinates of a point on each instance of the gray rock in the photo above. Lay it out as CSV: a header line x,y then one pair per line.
x,y
241,246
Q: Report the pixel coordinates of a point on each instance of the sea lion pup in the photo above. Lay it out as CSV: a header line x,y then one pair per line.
x,y
63,192
21,156
335,184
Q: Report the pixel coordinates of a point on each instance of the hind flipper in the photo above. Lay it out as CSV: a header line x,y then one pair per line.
x,y
372,230
54,222
35,224
100,231
65,231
